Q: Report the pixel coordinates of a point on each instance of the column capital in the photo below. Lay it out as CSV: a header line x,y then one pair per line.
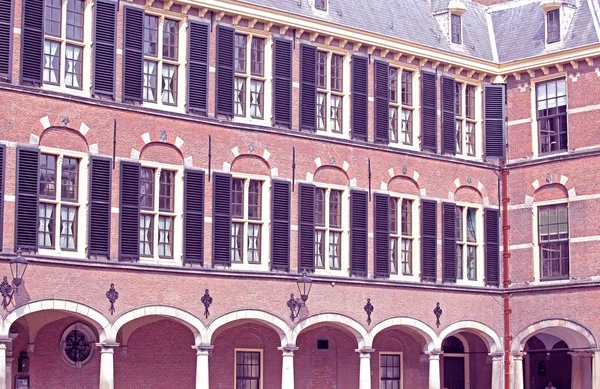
x,y
108,348
496,355
581,354
288,351
519,355
365,352
203,349
434,354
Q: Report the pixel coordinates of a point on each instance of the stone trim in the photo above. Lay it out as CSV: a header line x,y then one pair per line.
x,y
487,334
362,337
519,341
431,338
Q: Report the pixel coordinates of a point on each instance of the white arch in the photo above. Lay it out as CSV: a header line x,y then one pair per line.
x,y
96,318
575,335
185,318
423,329
486,333
280,326
362,337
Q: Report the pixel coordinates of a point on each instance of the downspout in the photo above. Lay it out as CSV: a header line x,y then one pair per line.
x,y
506,284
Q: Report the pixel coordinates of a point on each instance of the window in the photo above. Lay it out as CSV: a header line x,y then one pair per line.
x,y
249,88
64,37
247,220
465,119
329,228
401,235
553,26
59,202
248,369
553,228
321,5
161,60
401,106
77,345
466,243
157,217
552,115
330,91
455,28
390,371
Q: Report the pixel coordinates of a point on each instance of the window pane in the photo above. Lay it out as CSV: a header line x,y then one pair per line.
x,y
170,39
459,224
322,69
456,33
389,374
321,110
240,53
73,66
393,84
257,56
68,228
336,113
150,71
320,207
237,241
337,72
335,249
257,99
553,26
407,87
406,217
407,256
470,138
335,209
53,16
393,215
470,101
247,370
552,115
46,225
394,255
458,125
255,200
48,176
254,242
165,236
147,188
407,127
239,97
167,191
393,124
554,241
459,261
472,262
237,198
321,5
458,99
471,225
146,235
169,84
150,35
69,179
75,19
51,62
320,249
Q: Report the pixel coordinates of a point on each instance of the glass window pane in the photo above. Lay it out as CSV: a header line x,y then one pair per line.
x,y
75,9
150,75
169,84
257,56
240,53
170,39
74,66
150,35
51,62
69,179
48,176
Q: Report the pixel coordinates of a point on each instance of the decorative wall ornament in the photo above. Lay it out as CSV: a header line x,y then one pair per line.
x,y
251,148
65,120
332,160
549,179
469,180
369,310
438,313
112,295
162,136
404,170
77,344
206,300
6,290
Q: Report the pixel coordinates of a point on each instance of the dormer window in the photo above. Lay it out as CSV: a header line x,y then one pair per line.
x,y
455,28
553,25
321,5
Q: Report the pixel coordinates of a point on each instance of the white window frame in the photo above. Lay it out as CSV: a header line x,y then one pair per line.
x,y
462,37
344,94
262,369
416,238
181,61
479,234
86,44
414,107
81,204
265,234
87,331
477,120
399,353
344,230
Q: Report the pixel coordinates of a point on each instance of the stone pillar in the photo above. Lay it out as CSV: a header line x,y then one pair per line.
x,y
107,365
365,368
497,371
9,360
287,367
575,370
202,355
3,375
596,369
518,371
581,370
586,370
434,370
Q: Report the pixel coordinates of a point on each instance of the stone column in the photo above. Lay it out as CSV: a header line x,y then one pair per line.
x,y
518,371
3,375
287,366
107,365
9,360
497,372
581,370
575,370
365,368
586,370
434,370
596,369
202,355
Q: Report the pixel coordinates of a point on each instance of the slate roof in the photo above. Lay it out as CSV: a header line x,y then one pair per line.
x,y
518,26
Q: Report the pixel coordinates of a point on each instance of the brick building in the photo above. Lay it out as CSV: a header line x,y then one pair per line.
x,y
399,151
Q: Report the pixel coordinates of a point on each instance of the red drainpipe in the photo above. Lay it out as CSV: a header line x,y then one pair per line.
x,y
505,257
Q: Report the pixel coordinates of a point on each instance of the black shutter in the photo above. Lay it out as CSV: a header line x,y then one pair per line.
x,y
129,212
281,198
382,101
282,82
26,215
306,230
198,52
449,242
493,121
448,115
428,111
6,22
221,219
100,187
33,41
133,53
381,204
193,216
492,246
225,75
360,100
359,242
308,87
2,175
105,47
428,240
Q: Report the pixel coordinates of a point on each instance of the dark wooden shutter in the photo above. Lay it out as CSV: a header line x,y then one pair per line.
x,y
26,215
133,53
198,53
32,47
225,75
493,121
306,229
100,187
382,102
281,197
129,212
448,115
2,176
105,47
308,87
359,239
428,111
222,219
282,82
6,23
193,216
381,207
360,100
428,240
492,246
449,242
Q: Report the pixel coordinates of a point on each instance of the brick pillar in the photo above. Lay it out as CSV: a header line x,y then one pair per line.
x,y
107,365
518,371
497,372
365,368
434,370
287,367
202,354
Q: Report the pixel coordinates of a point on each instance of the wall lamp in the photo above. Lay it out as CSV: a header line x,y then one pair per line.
x,y
295,305
18,265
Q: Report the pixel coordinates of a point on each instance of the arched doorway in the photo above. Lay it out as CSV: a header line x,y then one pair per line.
x,y
547,359
455,363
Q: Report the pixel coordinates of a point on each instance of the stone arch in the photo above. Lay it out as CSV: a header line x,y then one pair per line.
x,y
58,121
488,335
274,322
161,145
181,316
574,334
53,130
94,317
362,337
420,327
323,163
161,136
472,184
549,179
258,152
408,173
